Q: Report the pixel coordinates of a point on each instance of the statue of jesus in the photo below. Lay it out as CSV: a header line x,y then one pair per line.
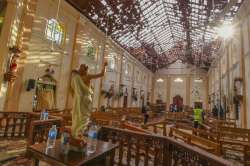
x,y
82,98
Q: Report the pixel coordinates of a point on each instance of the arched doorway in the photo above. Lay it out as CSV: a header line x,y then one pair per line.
x,y
178,101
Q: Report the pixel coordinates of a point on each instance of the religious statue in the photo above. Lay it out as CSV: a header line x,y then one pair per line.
x,y
46,88
11,71
82,98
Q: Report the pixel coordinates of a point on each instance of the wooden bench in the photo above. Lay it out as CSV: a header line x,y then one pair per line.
x,y
134,117
235,143
137,148
25,127
161,127
132,127
215,123
177,115
107,118
207,134
237,150
234,133
200,142
157,127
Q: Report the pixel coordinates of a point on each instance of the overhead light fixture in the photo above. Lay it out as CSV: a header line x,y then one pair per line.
x,y
225,31
160,80
178,80
199,80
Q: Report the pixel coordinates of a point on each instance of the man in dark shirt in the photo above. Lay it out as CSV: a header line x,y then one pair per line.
x,y
145,110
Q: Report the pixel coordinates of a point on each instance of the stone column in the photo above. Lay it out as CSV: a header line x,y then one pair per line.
x,y
5,42
74,63
130,103
120,80
188,90
168,102
206,81
23,38
243,75
228,77
5,39
102,79
153,89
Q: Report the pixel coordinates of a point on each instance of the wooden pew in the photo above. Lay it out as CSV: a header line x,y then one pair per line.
x,y
234,133
215,123
39,130
137,148
23,127
200,142
132,127
133,115
107,118
157,127
207,134
178,116
235,143
161,127
115,120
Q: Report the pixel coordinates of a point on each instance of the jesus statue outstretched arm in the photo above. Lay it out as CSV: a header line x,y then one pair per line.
x,y
101,74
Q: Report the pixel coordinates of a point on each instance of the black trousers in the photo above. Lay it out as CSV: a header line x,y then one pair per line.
x,y
196,124
146,116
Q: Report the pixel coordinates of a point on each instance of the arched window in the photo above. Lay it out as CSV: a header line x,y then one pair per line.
x,y
112,63
128,70
55,31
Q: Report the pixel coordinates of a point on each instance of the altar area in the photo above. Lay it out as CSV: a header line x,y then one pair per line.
x,y
144,82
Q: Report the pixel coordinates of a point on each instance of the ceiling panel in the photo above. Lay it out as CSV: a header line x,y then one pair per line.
x,y
166,30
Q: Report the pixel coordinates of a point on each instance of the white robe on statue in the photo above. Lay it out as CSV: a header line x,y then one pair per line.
x,y
82,104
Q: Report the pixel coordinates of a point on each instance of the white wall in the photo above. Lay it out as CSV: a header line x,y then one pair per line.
x,y
187,73
230,54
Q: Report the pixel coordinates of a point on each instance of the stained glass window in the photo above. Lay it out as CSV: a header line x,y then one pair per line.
x,y
55,31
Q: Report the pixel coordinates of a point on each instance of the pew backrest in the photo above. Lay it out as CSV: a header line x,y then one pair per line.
x,y
240,134
145,149
14,124
39,130
191,139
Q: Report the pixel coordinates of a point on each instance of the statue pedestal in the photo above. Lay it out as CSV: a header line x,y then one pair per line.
x,y
75,144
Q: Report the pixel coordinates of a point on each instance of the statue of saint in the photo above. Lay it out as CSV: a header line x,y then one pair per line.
x,y
82,98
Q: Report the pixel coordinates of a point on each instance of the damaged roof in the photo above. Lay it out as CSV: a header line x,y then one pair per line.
x,y
159,32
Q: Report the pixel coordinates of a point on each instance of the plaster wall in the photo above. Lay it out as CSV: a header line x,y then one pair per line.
x,y
188,89
42,52
231,52
8,38
80,33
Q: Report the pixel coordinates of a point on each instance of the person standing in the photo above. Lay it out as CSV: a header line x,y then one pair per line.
x,y
198,115
145,110
215,112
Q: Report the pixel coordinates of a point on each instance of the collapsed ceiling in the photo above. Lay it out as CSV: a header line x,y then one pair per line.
x,y
159,32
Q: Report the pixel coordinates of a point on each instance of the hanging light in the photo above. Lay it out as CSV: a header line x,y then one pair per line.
x,y
198,80
225,31
178,80
160,80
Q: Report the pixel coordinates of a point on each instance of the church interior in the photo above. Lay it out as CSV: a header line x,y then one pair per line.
x,y
125,82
